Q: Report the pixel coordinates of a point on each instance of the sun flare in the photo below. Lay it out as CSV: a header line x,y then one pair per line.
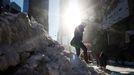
x,y
72,17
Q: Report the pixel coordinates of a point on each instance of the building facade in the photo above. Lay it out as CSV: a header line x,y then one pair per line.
x,y
39,10
118,18
116,11
25,6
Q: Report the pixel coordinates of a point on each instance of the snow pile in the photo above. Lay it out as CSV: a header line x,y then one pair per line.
x,y
26,49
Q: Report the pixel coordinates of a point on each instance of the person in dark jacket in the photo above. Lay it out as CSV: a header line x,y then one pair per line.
x,y
77,41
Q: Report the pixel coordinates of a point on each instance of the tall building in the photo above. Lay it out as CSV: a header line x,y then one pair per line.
x,y
61,33
39,10
116,11
4,2
25,6
118,18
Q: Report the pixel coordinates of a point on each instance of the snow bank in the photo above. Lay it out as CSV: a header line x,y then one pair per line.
x,y
27,49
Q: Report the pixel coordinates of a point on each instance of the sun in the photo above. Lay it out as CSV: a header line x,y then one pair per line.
x,y
72,17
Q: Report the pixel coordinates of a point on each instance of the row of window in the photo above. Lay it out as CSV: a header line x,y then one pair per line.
x,y
118,13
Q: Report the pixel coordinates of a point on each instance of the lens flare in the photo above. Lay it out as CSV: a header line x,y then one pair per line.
x,y
72,17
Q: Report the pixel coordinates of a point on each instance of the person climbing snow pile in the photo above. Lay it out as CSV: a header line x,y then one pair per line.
x,y
77,41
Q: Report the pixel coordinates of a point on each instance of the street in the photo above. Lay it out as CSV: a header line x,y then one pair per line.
x,y
110,70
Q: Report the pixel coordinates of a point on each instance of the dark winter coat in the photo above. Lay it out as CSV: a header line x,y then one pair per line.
x,y
78,34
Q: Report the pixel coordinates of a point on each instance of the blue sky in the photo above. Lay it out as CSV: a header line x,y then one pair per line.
x,y
53,18
19,2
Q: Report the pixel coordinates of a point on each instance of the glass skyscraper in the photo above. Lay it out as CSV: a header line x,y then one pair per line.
x,y
25,6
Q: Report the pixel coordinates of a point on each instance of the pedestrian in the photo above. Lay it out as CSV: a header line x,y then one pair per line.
x,y
77,41
103,60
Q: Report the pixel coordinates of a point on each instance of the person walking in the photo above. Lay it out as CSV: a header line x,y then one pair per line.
x,y
77,41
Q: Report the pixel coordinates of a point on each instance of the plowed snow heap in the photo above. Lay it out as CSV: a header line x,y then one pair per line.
x,y
26,49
